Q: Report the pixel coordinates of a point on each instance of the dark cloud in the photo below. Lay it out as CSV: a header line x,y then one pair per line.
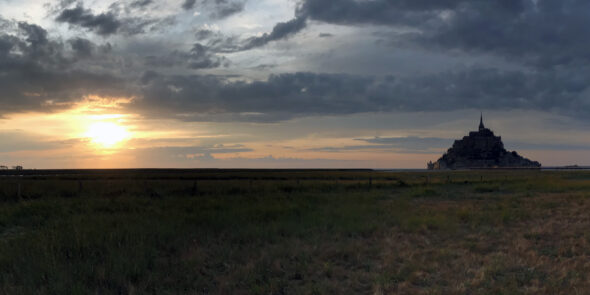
x,y
287,96
325,35
204,34
279,98
379,12
141,3
508,28
541,33
148,76
28,86
112,22
223,44
545,42
36,35
56,8
225,8
218,8
102,24
280,31
136,26
34,46
217,42
82,47
263,67
36,73
188,4
199,57
403,12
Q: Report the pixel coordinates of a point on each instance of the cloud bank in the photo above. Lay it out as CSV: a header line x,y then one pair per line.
x,y
543,42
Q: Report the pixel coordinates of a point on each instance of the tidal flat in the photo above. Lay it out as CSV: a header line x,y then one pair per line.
x,y
295,232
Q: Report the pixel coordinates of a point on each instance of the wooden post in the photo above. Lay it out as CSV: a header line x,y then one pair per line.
x,y
18,191
79,186
370,182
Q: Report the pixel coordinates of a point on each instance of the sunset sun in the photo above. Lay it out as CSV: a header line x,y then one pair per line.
x,y
107,134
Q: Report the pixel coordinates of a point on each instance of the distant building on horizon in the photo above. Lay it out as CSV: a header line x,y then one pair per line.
x,y
480,149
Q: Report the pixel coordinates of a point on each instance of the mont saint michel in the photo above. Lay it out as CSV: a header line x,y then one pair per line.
x,y
480,149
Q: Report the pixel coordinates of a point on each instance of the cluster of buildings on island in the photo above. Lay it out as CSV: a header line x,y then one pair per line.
x,y
480,149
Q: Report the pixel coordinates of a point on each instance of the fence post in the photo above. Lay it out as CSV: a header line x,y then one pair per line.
x,y
18,190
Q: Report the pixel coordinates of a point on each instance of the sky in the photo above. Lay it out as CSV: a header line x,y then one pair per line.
x,y
289,83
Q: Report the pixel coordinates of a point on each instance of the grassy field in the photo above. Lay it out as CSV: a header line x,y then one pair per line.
x,y
295,232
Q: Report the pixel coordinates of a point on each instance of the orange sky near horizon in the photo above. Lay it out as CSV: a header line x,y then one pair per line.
x,y
100,133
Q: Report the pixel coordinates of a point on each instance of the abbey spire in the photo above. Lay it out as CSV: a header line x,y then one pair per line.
x,y
481,127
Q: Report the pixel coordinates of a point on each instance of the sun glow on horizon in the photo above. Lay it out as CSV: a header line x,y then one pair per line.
x,y
107,134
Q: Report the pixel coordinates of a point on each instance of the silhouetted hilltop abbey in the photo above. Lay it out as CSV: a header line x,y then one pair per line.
x,y
481,149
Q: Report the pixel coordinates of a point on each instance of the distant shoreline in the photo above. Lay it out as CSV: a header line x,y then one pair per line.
x,y
63,172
